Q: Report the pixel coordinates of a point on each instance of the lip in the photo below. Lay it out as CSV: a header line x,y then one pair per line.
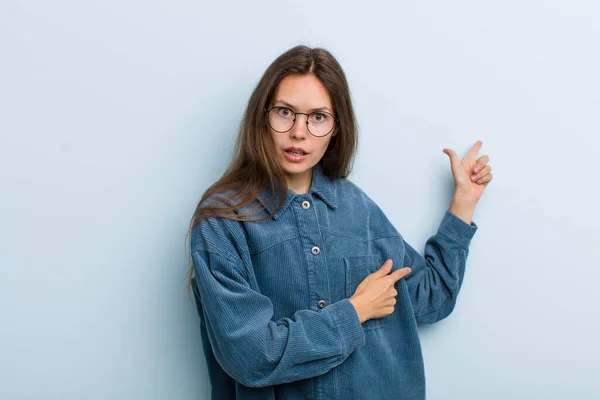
x,y
294,158
296,149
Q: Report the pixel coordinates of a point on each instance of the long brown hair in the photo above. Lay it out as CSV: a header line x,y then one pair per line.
x,y
253,164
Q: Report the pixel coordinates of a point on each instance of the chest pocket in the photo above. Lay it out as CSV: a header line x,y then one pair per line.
x,y
357,268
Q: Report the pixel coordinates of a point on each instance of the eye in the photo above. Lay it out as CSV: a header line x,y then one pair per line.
x,y
284,112
319,117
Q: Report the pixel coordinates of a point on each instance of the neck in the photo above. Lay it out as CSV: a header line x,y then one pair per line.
x,y
300,183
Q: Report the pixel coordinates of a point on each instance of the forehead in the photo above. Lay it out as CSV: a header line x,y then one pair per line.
x,y
302,91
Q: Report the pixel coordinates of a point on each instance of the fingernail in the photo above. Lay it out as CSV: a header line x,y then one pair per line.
x,y
474,177
476,169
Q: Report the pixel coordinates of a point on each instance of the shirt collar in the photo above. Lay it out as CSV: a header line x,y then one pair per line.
x,y
321,185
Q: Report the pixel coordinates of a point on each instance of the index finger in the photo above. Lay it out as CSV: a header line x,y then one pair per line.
x,y
475,149
400,273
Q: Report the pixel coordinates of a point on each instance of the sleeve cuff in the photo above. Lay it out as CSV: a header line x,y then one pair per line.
x,y
348,325
457,229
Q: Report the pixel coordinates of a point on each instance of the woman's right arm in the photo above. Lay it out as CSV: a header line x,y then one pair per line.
x,y
252,348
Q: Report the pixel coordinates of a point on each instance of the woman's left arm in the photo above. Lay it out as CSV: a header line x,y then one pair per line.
x,y
436,277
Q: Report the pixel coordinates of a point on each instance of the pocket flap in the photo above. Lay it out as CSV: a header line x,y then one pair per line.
x,y
363,261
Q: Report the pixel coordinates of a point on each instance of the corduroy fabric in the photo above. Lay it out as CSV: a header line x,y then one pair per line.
x,y
272,297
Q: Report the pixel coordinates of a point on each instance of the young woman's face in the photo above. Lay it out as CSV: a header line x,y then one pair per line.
x,y
300,93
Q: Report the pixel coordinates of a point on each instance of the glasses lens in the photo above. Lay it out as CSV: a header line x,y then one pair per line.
x,y
281,119
320,123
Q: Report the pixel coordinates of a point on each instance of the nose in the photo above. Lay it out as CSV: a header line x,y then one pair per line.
x,y
300,128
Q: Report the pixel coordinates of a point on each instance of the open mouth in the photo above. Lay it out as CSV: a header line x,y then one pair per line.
x,y
296,153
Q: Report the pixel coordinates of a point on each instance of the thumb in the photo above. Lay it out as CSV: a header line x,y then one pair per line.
x,y
453,157
385,268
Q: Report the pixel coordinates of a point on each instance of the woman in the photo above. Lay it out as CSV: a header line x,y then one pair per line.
x,y
317,296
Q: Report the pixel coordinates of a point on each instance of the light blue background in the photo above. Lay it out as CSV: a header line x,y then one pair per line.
x,y
115,116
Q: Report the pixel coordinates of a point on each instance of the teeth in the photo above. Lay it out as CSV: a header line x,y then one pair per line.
x,y
295,152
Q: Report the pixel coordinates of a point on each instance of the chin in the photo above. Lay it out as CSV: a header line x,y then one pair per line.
x,y
296,168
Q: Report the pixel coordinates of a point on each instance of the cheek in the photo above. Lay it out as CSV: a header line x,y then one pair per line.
x,y
274,137
325,146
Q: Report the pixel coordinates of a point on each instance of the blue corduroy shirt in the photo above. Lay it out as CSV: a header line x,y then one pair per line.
x,y
272,296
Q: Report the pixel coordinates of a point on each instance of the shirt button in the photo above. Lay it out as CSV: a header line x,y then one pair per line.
x,y
315,250
305,204
321,303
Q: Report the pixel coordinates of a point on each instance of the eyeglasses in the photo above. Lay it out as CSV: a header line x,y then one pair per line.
x,y
318,123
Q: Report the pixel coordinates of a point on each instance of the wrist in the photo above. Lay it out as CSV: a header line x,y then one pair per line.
x,y
463,199
358,308
463,207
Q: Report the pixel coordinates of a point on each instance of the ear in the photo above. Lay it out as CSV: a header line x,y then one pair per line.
x,y
337,128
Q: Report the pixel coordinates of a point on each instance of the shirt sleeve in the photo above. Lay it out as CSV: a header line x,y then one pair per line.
x,y
252,348
436,277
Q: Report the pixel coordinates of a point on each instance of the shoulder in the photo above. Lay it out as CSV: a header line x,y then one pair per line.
x,y
218,234
225,198
350,194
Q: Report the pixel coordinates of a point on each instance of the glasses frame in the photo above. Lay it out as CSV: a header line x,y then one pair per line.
x,y
335,120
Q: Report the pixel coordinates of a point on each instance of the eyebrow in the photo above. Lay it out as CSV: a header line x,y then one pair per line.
x,y
293,107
